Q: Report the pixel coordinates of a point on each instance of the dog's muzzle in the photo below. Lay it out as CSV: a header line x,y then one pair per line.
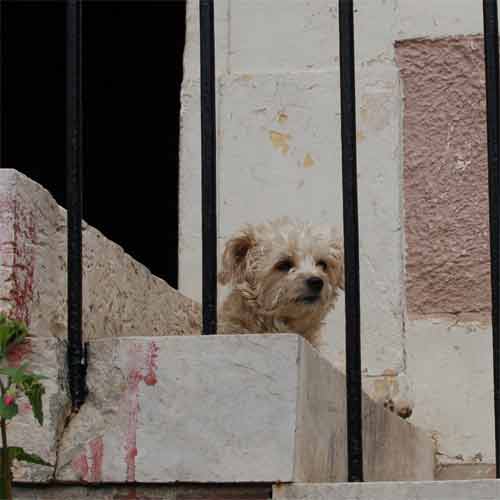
x,y
314,286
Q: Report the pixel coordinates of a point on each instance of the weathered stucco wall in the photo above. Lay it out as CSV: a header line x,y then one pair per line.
x,y
445,177
419,205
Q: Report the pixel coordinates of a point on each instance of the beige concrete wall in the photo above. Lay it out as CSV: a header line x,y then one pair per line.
x,y
279,154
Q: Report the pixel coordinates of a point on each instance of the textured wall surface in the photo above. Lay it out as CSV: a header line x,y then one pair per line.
x,y
120,296
445,176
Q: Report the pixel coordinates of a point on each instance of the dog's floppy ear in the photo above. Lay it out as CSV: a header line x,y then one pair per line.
x,y
234,256
337,252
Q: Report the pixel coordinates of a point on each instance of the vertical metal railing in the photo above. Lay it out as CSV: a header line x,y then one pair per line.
x,y
74,165
351,240
490,16
208,174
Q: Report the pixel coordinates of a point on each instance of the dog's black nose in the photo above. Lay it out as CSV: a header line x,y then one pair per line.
x,y
315,283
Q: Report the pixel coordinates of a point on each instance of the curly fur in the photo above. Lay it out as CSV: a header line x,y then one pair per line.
x,y
268,267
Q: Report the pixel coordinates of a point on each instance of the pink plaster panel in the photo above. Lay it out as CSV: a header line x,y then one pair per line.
x,y
445,177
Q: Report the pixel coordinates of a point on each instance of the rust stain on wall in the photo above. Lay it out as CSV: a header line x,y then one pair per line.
x,y
445,177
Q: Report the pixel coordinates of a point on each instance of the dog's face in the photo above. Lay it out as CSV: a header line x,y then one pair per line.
x,y
285,269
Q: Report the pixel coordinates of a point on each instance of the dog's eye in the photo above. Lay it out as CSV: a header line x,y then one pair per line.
x,y
284,265
322,264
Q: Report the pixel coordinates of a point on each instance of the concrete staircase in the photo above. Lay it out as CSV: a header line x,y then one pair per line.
x,y
168,409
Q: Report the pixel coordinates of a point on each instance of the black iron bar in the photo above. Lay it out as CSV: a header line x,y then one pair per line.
x,y
74,196
208,165
351,241
490,17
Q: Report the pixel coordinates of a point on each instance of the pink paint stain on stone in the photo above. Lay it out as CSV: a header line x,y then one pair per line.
x,y
93,453
135,359
80,465
136,366
18,353
97,454
17,252
24,407
152,364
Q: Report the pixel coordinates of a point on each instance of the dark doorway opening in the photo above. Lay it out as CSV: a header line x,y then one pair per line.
x,y
133,54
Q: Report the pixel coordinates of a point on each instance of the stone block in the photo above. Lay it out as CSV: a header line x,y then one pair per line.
x,y
47,357
120,296
453,388
245,408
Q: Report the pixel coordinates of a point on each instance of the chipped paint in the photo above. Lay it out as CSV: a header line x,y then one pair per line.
x,y
360,136
308,161
280,141
282,118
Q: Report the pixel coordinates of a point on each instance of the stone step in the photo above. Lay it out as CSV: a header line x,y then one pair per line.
x,y
484,489
226,409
